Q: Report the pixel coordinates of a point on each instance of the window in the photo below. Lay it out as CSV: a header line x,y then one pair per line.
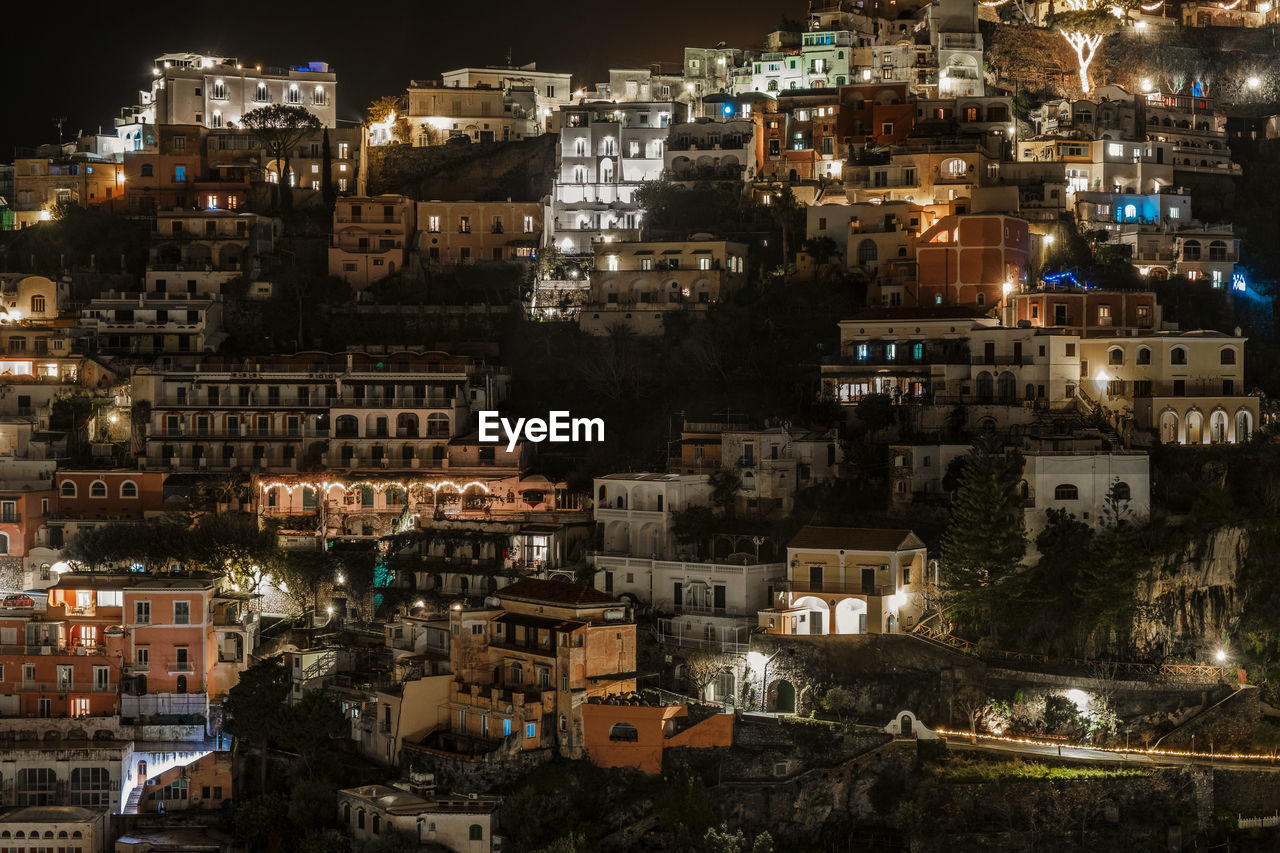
x,y
68,489
148,170
128,489
1066,492
1227,356
528,225
182,613
98,489
1178,355
142,612
37,304
179,174
1115,355
1144,355
623,732
1115,149
531,730
36,786
1121,491
476,832
110,598
90,786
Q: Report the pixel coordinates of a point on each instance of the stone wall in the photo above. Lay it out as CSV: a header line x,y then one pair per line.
x,y
467,775
1226,726
481,171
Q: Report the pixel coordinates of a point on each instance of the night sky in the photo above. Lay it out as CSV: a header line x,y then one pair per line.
x,y
86,66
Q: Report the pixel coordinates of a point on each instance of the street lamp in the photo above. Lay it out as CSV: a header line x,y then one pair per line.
x,y
1220,656
1253,82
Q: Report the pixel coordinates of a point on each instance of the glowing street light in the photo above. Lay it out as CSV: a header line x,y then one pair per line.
x,y
1253,82
1048,239
1220,656
1146,84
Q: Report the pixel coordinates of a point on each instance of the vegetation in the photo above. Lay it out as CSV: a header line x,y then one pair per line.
x,y
279,128
964,770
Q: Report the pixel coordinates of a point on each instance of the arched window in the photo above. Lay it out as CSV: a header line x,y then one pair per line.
x,y
4,543
517,673
475,833
1130,212
377,824
346,813
1191,250
128,489
867,251
1227,356
98,489
1121,491
148,170
1144,355
954,168
1217,251
360,819
1115,355
68,489
1066,492
1178,355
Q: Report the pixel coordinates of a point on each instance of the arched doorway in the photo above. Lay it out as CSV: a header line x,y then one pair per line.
x,y
1244,426
1218,427
1169,427
783,696
142,773
850,617
816,619
1195,428
905,726
182,684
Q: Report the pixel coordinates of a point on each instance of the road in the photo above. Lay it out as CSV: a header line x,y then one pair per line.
x,y
961,743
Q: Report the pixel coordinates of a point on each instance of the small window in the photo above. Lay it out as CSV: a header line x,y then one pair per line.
x,y
98,489
476,832
68,489
1144,355
1227,356
128,489
1115,355
624,732
1178,355
1066,492
1121,491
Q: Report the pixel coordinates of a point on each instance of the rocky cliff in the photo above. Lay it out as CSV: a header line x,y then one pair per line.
x,y
1194,596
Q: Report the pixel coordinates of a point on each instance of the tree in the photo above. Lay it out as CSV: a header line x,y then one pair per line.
x,y
874,412
305,574
788,215
310,727
327,193
279,129
236,546
985,538
725,485
701,668
254,708
839,701
1084,25
973,703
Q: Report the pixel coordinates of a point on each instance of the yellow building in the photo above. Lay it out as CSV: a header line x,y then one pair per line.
x,y
451,232
849,580
41,183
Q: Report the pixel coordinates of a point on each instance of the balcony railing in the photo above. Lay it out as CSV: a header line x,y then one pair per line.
x,y
844,588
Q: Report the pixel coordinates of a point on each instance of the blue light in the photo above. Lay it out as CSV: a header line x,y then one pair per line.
x,y
728,109
1238,283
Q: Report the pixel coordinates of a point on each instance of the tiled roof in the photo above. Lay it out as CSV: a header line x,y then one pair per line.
x,y
854,539
556,592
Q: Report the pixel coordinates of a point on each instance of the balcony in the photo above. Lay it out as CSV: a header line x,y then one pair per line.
x,y
1022,360
179,666
11,518
843,588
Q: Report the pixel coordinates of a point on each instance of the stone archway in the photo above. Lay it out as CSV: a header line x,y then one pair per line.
x,y
782,697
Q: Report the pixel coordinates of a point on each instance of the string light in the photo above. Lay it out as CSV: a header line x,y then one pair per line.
x,y
326,485
1171,753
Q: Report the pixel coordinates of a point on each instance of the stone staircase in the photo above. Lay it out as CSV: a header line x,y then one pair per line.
x,y
131,806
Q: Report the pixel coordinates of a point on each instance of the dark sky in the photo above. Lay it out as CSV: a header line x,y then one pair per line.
x,y
85,67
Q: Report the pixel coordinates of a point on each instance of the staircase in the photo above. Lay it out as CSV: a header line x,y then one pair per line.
x,y
131,807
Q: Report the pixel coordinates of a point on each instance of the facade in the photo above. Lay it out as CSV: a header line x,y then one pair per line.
x,y
605,152
216,91
205,784
634,284
714,150
622,734
155,323
848,580
525,668
551,89
438,113
171,167
73,828
51,175
197,252
371,239
451,232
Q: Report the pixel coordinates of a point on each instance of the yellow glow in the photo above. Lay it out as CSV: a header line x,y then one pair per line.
x,y
1253,82
1007,288
45,215
1048,239
1141,25
1264,8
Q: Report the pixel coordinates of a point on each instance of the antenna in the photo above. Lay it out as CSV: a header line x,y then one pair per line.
x,y
60,121
509,65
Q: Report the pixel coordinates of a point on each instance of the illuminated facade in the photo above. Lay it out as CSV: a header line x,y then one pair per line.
x,y
480,113
371,238
849,580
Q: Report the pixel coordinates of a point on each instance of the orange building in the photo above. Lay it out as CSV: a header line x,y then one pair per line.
x,y
47,669
22,514
879,113
525,669
970,259
624,735
1085,312
205,783
174,171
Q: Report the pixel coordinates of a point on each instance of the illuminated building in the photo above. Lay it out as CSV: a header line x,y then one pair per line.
x,y
438,113
371,238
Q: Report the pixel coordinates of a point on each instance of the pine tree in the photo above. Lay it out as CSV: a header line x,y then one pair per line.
x,y
326,172
986,534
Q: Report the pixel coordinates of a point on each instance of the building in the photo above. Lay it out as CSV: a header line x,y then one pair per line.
x,y
153,323
216,91
848,580
1084,311
451,232
1082,482
371,239
205,784
636,284
199,251
552,90
54,175
525,668
707,150
461,822
438,113
620,733
606,151
345,411
73,828
171,168
824,61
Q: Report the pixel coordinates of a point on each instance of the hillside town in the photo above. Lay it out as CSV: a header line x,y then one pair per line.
x,y
861,439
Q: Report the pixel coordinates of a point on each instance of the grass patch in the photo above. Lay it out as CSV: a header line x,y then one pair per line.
x,y
965,770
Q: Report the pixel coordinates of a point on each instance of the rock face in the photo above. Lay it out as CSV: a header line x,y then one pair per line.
x,y
1193,597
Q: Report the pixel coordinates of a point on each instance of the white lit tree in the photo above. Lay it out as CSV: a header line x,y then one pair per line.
x,y
1084,25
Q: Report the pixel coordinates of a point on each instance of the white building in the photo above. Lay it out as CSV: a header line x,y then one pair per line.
x,y
712,150
151,323
606,152
1080,483
459,822
633,511
824,61
216,91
